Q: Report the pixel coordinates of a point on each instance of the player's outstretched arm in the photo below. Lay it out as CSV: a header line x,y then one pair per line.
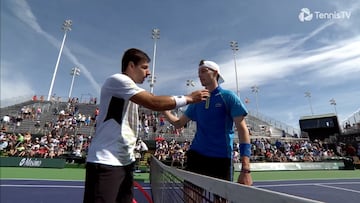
x,y
162,103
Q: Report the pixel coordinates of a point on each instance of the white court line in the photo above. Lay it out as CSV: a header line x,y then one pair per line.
x,y
45,186
306,184
55,186
338,188
39,179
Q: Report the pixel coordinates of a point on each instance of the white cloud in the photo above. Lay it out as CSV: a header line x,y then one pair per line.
x,y
273,58
22,10
13,85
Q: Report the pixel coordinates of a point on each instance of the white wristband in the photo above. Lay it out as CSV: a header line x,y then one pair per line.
x,y
180,101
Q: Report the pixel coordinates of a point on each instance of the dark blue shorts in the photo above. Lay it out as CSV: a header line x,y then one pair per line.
x,y
105,183
211,166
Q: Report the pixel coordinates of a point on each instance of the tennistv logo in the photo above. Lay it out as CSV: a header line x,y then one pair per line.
x,y
306,15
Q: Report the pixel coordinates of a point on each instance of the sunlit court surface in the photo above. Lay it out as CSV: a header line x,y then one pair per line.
x,y
332,190
169,184
50,191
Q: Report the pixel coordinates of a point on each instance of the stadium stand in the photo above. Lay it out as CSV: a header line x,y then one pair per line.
x,y
68,126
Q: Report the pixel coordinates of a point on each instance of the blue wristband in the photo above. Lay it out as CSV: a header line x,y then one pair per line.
x,y
245,149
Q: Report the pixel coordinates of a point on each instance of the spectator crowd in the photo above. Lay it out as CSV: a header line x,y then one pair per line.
x,y
263,150
61,140
46,146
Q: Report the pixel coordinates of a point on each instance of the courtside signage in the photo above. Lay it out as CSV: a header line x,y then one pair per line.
x,y
31,162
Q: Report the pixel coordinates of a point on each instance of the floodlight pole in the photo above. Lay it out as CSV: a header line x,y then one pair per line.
x,y
66,27
333,102
74,72
155,37
255,89
189,83
234,46
308,95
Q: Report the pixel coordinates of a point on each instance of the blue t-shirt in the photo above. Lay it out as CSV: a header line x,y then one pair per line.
x,y
214,123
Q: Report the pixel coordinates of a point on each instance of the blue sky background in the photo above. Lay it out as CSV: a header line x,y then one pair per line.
x,y
280,54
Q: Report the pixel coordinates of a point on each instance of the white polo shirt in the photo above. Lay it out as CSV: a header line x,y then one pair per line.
x,y
116,125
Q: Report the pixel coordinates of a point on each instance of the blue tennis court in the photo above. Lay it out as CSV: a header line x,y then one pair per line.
x,y
37,191
54,191
330,190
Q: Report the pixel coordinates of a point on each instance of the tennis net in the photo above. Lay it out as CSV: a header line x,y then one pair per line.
x,y
169,184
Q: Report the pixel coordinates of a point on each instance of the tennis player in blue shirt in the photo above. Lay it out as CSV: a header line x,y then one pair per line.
x,y
211,150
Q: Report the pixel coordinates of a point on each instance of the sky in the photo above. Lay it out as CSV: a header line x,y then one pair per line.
x,y
286,48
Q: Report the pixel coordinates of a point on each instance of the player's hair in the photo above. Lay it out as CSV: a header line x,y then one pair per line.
x,y
134,55
201,62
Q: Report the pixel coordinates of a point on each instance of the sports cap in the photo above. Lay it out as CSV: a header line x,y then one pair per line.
x,y
213,66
